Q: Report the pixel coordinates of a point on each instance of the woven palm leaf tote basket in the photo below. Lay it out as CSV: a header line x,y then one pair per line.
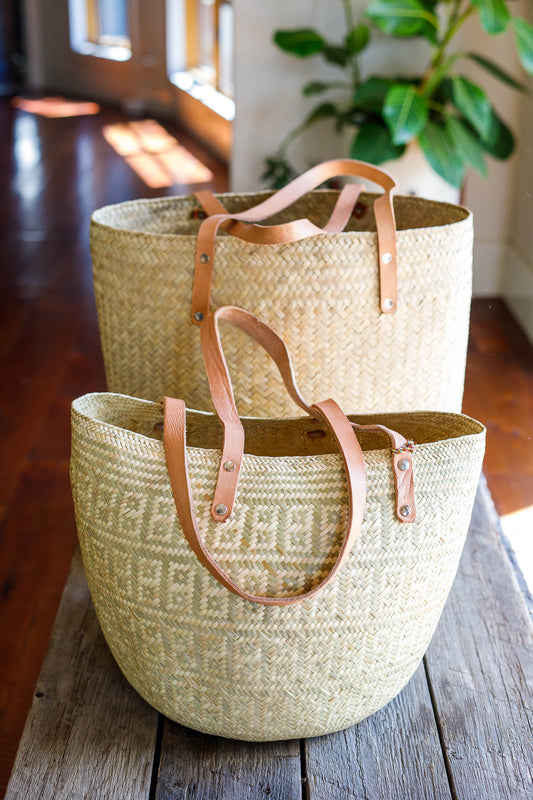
x,y
268,579
370,292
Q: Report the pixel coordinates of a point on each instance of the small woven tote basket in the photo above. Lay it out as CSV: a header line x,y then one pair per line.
x,y
222,664
326,294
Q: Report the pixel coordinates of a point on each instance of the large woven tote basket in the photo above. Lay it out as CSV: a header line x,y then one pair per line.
x,y
379,318
285,606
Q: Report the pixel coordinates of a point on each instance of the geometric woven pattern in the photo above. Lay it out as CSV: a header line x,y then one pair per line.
x,y
321,295
223,665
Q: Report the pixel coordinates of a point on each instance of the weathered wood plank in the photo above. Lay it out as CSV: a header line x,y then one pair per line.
x,y
392,755
88,734
480,669
198,767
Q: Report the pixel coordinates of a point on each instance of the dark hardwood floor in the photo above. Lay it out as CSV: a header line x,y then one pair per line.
x,y
54,172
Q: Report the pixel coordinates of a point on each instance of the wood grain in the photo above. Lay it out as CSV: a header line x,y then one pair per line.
x,y
198,767
480,668
393,754
88,733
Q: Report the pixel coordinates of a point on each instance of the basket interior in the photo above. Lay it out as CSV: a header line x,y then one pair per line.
x,y
274,437
178,215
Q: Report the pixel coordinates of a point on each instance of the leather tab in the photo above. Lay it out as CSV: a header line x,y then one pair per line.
x,y
405,487
404,484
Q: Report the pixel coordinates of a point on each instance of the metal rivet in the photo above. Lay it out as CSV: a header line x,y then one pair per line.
x,y
405,511
403,464
198,316
386,258
204,258
388,303
221,509
229,466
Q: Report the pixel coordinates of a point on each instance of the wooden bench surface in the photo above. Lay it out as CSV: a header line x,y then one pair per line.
x,y
461,728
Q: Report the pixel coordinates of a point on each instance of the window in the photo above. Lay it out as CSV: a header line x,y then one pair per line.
x,y
200,51
100,28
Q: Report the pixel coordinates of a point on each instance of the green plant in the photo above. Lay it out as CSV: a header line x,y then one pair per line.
x,y
451,117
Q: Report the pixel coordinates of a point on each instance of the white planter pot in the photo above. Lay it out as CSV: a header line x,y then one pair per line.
x,y
414,175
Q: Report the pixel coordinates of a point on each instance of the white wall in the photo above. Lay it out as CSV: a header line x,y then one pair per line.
x,y
269,104
518,273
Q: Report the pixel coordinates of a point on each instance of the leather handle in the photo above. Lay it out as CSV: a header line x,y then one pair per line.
x,y
223,399
224,403
302,229
233,449
176,453
287,231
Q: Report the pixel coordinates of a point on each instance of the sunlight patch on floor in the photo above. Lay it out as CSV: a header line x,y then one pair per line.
x,y
518,528
55,107
155,155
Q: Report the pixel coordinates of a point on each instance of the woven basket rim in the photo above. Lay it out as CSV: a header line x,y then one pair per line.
x,y
98,215
477,428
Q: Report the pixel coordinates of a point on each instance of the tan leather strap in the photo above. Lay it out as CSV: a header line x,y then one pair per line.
x,y
288,231
176,453
224,403
301,229
222,393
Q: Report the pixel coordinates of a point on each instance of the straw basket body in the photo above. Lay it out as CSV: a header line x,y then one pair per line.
x,y
220,664
321,294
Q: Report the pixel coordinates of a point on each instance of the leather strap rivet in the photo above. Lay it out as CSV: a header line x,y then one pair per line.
x,y
386,258
198,316
204,258
221,509
388,303
405,511
229,466
403,464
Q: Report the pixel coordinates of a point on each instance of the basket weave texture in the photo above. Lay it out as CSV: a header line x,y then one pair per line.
x,y
320,294
220,664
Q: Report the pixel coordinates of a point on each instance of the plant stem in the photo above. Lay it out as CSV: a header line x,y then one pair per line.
x,y
350,23
436,106
348,14
455,22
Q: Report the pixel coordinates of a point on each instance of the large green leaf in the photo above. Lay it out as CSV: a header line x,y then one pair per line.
x,y
373,143
403,18
524,43
405,112
472,101
370,96
497,71
357,39
301,42
493,14
500,142
439,149
469,147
